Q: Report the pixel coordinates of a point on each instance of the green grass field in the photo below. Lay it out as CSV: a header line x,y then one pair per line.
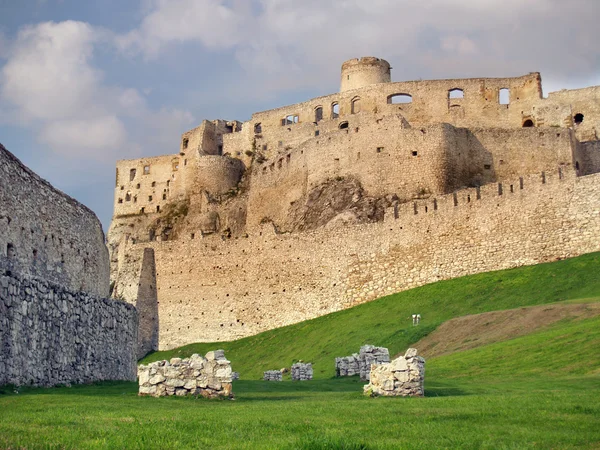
x,y
537,391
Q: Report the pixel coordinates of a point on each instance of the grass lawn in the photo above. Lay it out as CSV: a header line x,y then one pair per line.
x,y
537,391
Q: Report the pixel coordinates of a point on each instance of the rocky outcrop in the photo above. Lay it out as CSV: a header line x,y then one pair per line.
x,y
302,371
209,376
360,364
403,377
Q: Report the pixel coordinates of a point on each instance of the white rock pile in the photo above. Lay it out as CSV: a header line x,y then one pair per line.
x,y
208,376
272,375
402,377
360,364
302,371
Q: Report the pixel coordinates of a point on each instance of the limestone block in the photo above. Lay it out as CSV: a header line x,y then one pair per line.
x,y
401,377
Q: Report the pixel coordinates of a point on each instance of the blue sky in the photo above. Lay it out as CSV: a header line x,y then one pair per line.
x,y
84,83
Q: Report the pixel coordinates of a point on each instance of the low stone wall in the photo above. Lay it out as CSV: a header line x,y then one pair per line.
x,y
360,364
208,376
302,372
50,336
402,377
273,375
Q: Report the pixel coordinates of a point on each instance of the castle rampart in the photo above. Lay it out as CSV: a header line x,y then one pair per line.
x,y
310,208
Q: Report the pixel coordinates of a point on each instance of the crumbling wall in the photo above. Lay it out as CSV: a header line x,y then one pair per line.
x,y
50,335
272,375
403,377
209,376
302,371
360,363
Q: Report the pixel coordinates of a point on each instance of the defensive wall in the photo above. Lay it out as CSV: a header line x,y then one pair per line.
x,y
215,290
56,324
400,183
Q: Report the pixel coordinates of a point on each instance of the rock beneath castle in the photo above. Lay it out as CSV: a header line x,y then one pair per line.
x,y
302,372
403,377
360,364
209,376
272,375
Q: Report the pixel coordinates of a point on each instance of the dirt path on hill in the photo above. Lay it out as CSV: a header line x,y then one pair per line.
x,y
467,332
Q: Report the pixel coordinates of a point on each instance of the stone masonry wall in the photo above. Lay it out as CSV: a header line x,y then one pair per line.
x,y
209,376
403,377
360,364
47,234
50,335
211,290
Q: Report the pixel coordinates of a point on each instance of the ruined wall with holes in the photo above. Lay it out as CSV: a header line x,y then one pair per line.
x,y
314,207
211,290
45,233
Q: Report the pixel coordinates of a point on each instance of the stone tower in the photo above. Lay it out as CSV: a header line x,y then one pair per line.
x,y
358,73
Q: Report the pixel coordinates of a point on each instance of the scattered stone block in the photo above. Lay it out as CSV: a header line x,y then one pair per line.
x,y
360,364
272,375
403,377
302,371
208,376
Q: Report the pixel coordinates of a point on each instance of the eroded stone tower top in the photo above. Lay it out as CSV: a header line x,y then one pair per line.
x,y
361,72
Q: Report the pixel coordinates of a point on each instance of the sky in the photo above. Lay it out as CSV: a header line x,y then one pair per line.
x,y
85,83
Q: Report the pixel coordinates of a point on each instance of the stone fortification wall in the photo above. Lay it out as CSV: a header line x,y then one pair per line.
x,y
403,377
211,290
47,234
50,335
587,158
209,377
360,363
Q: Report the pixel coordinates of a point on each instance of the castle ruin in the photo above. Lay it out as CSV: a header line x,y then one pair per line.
x,y
314,207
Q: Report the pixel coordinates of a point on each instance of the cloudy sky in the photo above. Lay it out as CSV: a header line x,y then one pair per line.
x,y
84,83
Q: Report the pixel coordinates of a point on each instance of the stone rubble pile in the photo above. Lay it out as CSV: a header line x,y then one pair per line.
x,y
208,376
235,376
302,371
360,364
272,375
402,377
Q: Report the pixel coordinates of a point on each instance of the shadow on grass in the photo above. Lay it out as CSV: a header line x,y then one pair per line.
x,y
437,389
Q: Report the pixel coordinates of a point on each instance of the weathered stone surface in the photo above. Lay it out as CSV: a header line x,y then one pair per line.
x,y
272,375
403,377
360,364
198,376
302,371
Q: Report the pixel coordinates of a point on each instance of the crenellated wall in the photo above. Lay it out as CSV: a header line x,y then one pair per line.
x,y
211,290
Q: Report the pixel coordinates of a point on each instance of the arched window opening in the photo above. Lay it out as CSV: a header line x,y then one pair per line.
x,y
318,113
258,128
128,197
355,108
578,118
290,120
396,99
528,123
504,96
577,165
456,93
343,125
132,174
335,110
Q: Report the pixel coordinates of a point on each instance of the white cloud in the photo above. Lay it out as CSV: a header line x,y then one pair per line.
x,y
51,85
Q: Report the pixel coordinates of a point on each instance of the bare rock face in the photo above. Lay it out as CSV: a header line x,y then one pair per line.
x,y
403,377
208,376
336,202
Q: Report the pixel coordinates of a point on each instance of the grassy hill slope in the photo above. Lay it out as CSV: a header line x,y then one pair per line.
x,y
387,321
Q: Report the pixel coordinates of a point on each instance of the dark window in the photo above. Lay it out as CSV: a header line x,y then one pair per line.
x,y
257,128
10,251
343,125
132,174
578,118
528,123
185,143
318,114
355,106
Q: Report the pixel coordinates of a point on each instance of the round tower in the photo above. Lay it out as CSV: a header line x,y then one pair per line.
x,y
361,72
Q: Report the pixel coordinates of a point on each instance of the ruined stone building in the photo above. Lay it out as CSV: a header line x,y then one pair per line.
x,y
57,324
318,206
